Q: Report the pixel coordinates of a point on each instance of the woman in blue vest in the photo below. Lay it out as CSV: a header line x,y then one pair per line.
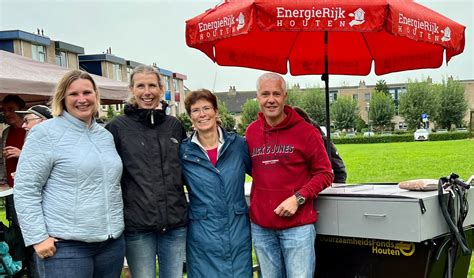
x,y
214,165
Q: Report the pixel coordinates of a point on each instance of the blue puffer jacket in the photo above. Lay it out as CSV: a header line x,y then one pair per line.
x,y
67,183
218,243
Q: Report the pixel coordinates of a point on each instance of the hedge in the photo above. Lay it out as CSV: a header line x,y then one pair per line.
x,y
450,136
401,138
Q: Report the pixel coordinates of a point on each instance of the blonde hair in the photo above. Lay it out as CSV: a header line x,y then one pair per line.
x,y
145,70
57,102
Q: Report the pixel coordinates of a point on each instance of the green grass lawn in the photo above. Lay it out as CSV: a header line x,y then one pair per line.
x,y
395,162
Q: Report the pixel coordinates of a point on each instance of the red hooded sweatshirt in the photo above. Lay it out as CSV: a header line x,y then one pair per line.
x,y
286,158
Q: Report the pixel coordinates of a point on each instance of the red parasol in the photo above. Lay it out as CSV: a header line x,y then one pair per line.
x,y
325,37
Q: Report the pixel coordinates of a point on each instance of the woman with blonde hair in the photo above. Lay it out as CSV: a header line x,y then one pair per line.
x,y
67,187
147,140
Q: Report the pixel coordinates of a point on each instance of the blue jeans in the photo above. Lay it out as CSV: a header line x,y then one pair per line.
x,y
285,253
79,259
143,248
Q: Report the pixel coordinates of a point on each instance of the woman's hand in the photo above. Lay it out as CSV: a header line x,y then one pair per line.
x,y
46,248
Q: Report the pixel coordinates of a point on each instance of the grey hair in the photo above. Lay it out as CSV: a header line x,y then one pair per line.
x,y
271,76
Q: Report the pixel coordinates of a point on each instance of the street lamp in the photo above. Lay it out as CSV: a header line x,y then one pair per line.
x,y
368,116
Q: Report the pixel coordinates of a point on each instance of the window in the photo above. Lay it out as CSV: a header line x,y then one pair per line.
x,y
178,110
393,93
166,82
118,107
367,96
61,58
355,97
129,73
38,52
175,85
117,72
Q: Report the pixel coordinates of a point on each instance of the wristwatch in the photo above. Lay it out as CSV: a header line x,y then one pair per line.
x,y
300,199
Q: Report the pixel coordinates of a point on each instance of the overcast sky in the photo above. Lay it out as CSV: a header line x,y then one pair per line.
x,y
153,31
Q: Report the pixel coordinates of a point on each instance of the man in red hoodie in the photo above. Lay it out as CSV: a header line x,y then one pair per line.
x,y
289,167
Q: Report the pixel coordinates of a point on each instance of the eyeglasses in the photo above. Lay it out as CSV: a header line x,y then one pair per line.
x,y
206,110
26,120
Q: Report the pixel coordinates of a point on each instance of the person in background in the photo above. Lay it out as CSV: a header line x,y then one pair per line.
x,y
67,188
155,212
289,168
214,167
337,164
11,144
34,115
12,137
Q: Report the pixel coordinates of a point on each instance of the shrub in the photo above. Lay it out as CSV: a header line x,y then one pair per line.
x,y
402,138
449,136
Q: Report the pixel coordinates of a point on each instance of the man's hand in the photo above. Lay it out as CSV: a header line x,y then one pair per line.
x,y
11,152
288,207
46,248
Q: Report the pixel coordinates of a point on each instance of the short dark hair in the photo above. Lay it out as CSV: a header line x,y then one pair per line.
x,y
201,94
15,99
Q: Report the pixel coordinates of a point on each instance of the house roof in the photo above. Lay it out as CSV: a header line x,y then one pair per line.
x,y
235,101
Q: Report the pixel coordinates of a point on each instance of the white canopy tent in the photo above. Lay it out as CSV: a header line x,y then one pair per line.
x,y
35,81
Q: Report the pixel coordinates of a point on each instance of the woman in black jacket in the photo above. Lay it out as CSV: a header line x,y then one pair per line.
x,y
154,202
337,164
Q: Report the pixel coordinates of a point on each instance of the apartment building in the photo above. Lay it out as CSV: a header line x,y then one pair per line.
x,y
174,90
39,47
105,64
363,93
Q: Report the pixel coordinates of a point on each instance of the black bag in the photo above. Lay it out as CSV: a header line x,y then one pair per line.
x,y
12,236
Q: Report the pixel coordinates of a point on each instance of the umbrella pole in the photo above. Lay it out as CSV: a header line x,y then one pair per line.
x,y
325,78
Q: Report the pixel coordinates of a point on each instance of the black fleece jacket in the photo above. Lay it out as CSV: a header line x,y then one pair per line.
x,y
148,142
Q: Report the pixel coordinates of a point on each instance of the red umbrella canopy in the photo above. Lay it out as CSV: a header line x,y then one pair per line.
x,y
269,35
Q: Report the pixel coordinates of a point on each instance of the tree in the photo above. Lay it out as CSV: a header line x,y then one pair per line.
x,y
381,86
227,120
185,121
110,113
344,112
418,99
452,104
360,124
381,110
109,116
250,110
294,97
313,102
